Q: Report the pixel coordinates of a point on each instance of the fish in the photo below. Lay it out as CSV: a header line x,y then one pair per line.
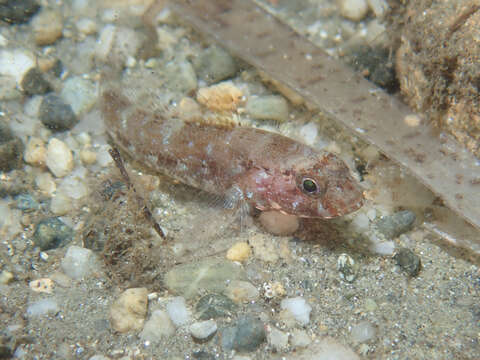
x,y
240,164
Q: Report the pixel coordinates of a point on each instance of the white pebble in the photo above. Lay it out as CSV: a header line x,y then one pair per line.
x,y
203,329
361,222
300,339
61,205
86,26
277,339
73,187
354,10
105,42
363,331
299,308
79,262
379,7
178,312
157,327
80,93
45,183
383,247
16,63
59,158
42,307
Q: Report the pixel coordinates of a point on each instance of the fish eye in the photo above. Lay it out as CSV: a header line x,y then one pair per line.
x,y
309,186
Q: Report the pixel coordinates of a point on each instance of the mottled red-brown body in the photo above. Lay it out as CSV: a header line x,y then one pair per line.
x,y
265,169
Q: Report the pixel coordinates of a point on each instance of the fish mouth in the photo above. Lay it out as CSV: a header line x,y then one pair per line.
x,y
338,203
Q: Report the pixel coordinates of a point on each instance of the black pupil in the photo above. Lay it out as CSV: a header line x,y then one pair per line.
x,y
309,185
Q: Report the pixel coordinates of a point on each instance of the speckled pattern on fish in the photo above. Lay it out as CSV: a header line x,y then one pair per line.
x,y
241,164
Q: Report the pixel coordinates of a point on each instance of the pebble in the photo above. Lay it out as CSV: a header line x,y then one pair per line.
x,y
11,149
396,224
18,12
208,275
86,26
98,357
363,331
55,114
26,203
44,285
382,247
299,308
51,233
61,204
6,277
79,262
80,93
42,307
178,312
88,156
45,183
347,267
246,335
180,77
354,10
268,107
267,249
300,339
34,83
16,63
325,349
213,306
73,186
128,312
214,65
277,339
47,27
378,7
8,88
242,291
240,251
279,224
59,159
408,261
203,329
35,152
157,327
224,96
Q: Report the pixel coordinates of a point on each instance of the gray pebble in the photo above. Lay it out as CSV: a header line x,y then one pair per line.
x,y
271,107
212,306
214,65
396,224
408,261
51,233
33,83
246,335
11,149
26,203
209,275
18,12
180,77
55,114
202,330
